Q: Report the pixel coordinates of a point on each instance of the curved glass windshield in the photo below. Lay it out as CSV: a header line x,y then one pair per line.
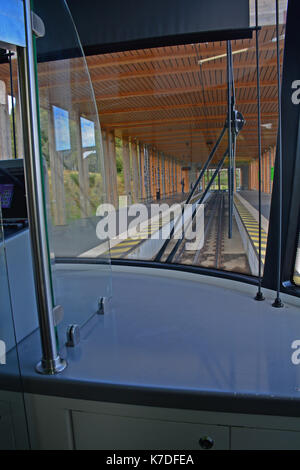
x,y
161,179
163,111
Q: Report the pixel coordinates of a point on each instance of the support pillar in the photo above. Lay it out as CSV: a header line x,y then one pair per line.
x,y
135,171
126,169
111,152
245,176
142,169
106,175
19,132
83,172
163,176
58,202
5,134
147,180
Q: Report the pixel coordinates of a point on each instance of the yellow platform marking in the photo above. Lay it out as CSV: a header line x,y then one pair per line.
x,y
123,248
126,245
252,228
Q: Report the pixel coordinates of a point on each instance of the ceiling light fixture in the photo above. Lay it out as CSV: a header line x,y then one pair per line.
x,y
268,125
208,59
280,38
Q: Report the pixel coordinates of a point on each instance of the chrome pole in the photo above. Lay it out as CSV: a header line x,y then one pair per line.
x,y
51,362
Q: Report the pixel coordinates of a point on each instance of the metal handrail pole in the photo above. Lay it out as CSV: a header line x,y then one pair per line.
x,y
51,363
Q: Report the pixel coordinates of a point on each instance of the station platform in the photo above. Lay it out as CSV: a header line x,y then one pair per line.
x,y
251,196
246,203
79,239
247,218
124,245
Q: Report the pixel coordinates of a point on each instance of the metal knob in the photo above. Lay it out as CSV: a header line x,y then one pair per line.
x,y
206,442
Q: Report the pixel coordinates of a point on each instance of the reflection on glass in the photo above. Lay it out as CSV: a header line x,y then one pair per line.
x,y
87,133
61,129
74,180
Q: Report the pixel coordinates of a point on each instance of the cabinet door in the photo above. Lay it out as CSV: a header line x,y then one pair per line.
x,y
264,439
7,441
100,431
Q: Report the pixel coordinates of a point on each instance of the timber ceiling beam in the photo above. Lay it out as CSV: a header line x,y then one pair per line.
x,y
168,121
117,76
179,52
171,91
184,106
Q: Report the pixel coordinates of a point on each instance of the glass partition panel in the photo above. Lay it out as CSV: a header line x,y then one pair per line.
x,y
74,180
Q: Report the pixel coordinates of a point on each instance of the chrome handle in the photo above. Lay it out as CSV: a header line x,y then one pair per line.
x,y
206,442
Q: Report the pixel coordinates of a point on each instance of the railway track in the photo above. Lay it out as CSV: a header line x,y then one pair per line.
x,y
211,254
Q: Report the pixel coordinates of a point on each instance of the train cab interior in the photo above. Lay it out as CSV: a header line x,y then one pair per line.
x,y
149,225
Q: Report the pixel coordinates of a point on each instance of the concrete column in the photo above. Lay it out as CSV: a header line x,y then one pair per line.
x,y
149,160
163,180
245,176
152,172
58,202
126,169
5,132
19,131
141,148
111,152
159,173
187,181
106,175
135,171
272,152
173,174
193,173
83,172
266,172
147,172
169,176
175,181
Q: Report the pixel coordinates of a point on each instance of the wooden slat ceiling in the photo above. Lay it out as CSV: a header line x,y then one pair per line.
x,y
173,98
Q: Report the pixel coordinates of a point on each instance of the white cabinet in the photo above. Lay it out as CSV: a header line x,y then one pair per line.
x,y
7,440
264,439
67,423
101,431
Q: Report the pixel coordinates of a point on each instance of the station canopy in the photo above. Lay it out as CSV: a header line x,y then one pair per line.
x,y
158,70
